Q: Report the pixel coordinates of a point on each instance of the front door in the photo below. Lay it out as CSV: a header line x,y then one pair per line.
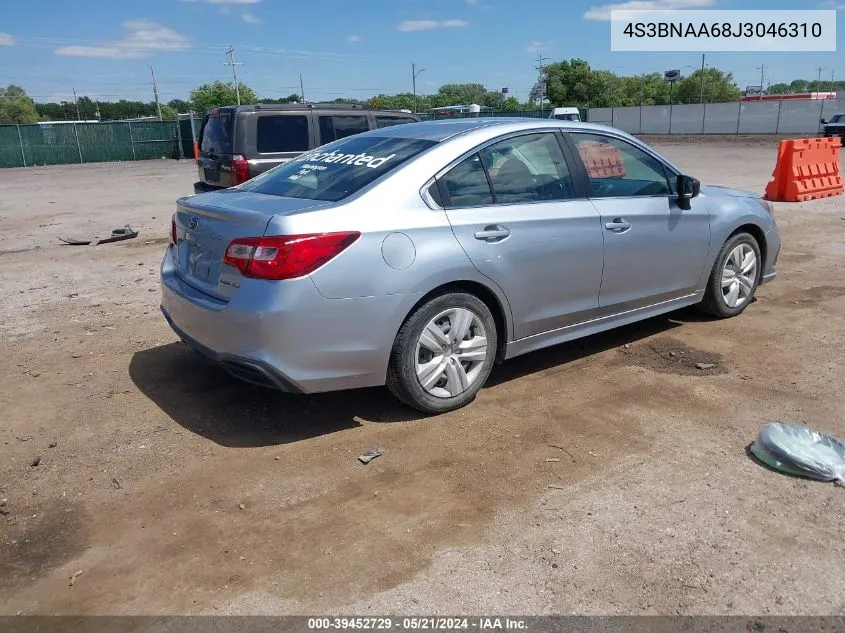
x,y
515,211
653,250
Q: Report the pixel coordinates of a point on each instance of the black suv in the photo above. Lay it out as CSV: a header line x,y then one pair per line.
x,y
237,143
835,127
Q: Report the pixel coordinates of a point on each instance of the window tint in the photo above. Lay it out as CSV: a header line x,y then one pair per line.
x,y
387,121
216,134
282,134
618,169
467,184
567,117
333,128
528,168
339,170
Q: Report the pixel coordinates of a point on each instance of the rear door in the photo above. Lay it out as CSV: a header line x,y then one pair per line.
x,y
216,146
278,138
519,215
334,126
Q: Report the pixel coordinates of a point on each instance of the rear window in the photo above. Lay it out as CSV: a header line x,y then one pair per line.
x,y
335,172
333,128
216,134
387,121
567,117
282,134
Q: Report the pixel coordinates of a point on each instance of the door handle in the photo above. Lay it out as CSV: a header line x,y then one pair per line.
x,y
619,225
492,233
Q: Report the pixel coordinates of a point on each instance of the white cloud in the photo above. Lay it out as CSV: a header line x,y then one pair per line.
x,y
536,47
602,12
141,39
6,40
832,4
427,25
250,18
354,39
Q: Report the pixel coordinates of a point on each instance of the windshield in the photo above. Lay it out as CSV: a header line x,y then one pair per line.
x,y
837,118
216,134
337,170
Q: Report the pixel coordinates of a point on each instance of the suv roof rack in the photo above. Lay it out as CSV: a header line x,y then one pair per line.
x,y
306,106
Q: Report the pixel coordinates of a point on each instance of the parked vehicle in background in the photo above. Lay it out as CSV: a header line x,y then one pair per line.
x,y
418,255
835,127
566,114
237,143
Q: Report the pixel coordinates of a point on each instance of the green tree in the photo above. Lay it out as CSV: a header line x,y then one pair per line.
x,y
719,87
180,105
16,106
218,94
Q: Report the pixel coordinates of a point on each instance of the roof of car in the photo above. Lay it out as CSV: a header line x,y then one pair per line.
x,y
442,130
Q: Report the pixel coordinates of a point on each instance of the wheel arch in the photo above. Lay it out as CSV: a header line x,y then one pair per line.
x,y
758,234
485,294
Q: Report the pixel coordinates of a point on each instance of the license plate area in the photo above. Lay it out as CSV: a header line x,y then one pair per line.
x,y
200,261
211,175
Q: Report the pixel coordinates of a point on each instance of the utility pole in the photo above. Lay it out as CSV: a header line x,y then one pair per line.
x,y
155,92
301,88
819,82
76,103
701,79
414,73
541,69
234,64
762,69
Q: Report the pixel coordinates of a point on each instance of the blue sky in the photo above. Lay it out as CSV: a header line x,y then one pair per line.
x,y
103,48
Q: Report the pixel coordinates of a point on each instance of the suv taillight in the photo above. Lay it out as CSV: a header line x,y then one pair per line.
x,y
173,238
286,256
240,170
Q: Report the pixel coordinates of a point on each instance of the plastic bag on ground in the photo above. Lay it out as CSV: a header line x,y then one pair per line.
x,y
801,450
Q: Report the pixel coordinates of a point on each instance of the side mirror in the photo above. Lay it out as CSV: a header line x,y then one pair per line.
x,y
822,121
688,188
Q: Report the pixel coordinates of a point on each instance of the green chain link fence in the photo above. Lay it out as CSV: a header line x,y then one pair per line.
x,y
63,143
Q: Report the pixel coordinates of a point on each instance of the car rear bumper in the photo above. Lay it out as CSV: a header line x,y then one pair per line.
x,y
285,334
202,187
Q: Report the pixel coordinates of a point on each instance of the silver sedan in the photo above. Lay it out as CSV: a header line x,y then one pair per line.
x,y
417,256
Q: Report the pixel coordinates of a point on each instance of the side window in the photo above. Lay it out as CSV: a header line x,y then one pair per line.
x,y
335,127
618,169
287,133
467,184
387,121
529,168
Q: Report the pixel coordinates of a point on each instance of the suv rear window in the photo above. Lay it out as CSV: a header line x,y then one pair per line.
x,y
387,121
333,128
216,134
339,170
288,133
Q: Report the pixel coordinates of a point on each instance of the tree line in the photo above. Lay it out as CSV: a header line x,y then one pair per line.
x,y
565,83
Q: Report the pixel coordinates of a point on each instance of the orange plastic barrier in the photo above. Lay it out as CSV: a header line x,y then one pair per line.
x,y
601,160
806,168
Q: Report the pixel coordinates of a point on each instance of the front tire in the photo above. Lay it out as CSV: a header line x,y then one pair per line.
x,y
735,277
443,353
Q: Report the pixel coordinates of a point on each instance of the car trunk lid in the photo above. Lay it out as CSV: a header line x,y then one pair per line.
x,y
207,224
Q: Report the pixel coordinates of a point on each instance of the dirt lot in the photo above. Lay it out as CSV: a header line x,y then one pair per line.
x,y
603,476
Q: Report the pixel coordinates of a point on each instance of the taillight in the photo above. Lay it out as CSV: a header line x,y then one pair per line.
x,y
173,238
240,169
286,256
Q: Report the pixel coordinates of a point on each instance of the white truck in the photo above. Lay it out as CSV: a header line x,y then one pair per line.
x,y
566,114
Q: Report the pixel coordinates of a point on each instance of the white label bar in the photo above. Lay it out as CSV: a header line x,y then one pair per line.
x,y
701,31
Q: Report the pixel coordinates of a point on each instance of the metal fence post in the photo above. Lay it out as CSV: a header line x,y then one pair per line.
x,y
738,116
703,116
131,140
671,108
78,147
20,142
181,153
641,119
777,125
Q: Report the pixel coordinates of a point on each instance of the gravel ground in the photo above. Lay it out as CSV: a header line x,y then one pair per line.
x,y
597,477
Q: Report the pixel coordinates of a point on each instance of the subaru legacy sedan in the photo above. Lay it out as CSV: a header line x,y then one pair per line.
x,y
419,255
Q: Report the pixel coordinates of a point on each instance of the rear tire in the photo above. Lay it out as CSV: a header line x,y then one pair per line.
x,y
443,353
734,278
